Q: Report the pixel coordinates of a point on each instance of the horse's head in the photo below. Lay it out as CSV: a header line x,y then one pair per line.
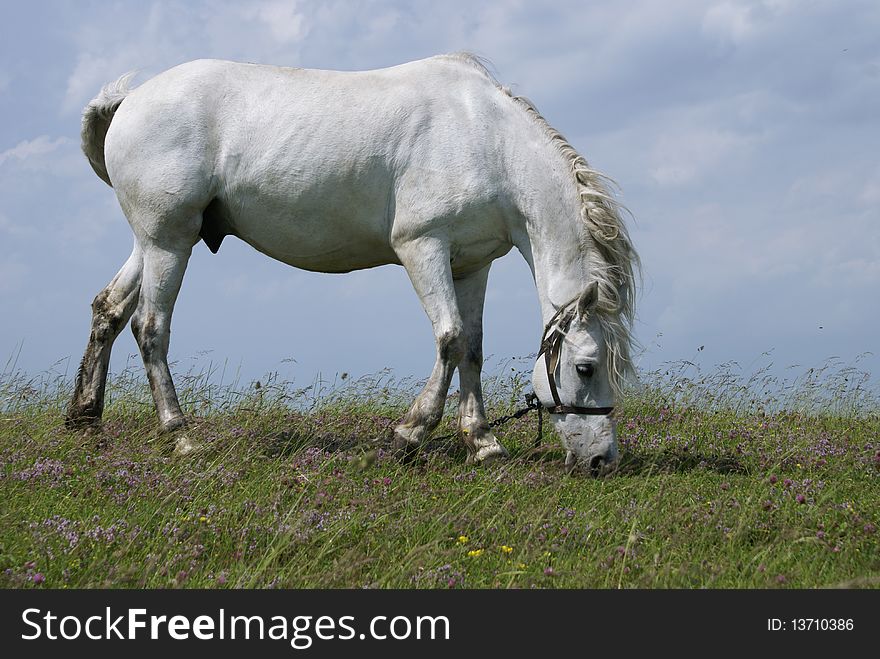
x,y
572,379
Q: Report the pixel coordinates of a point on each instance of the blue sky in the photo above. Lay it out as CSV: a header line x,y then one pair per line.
x,y
743,134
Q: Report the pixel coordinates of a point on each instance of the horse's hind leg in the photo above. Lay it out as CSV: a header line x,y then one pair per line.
x,y
482,445
151,324
111,310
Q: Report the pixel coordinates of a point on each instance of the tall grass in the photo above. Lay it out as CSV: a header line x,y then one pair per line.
x,y
727,479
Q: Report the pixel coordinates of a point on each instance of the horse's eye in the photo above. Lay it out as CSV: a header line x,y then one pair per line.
x,y
586,370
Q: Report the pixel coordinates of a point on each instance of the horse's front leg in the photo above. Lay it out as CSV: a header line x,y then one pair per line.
x,y
482,445
426,260
151,324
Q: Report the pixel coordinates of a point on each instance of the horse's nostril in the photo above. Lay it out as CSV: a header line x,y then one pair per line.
x,y
596,464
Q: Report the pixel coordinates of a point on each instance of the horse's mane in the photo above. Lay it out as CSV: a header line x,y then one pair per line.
x,y
618,261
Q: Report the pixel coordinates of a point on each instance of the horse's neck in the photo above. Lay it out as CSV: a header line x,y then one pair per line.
x,y
553,242
560,275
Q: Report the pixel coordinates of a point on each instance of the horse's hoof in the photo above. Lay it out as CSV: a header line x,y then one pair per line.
x,y
575,466
399,443
404,449
404,438
185,445
488,453
404,445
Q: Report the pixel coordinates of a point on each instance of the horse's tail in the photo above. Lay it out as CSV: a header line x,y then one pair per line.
x,y
97,116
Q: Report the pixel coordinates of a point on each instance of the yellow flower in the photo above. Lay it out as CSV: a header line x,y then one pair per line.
x,y
521,566
506,549
462,539
203,519
475,552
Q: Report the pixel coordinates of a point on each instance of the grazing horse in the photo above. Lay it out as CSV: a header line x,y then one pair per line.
x,y
432,165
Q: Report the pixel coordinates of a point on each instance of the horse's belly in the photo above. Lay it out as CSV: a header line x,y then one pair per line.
x,y
314,242
340,242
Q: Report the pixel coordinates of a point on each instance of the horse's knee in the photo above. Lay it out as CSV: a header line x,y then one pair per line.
x,y
451,345
146,333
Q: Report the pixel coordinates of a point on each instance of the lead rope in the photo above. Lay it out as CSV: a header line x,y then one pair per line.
x,y
532,403
540,436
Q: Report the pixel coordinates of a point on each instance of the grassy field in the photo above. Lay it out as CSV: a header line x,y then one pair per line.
x,y
724,482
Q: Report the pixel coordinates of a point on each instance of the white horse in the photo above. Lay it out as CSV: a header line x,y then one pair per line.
x,y
432,165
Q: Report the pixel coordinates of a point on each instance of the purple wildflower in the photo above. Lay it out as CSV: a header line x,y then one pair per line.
x,y
43,469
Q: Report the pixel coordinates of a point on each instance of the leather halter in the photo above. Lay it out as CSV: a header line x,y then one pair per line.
x,y
551,346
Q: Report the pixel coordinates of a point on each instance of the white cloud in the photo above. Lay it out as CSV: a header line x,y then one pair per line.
x,y
90,73
382,24
729,22
285,23
150,38
30,149
735,22
686,155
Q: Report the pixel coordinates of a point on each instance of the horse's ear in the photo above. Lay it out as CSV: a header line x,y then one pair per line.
x,y
588,299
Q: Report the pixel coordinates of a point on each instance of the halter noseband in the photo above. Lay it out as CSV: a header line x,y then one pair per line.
x,y
551,346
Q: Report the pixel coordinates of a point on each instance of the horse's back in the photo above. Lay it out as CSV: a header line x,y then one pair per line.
x,y
303,162
232,108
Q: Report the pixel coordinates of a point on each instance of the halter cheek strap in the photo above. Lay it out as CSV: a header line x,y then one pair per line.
x,y
551,347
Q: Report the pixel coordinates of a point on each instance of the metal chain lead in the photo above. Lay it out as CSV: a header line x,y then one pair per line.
x,y
532,403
